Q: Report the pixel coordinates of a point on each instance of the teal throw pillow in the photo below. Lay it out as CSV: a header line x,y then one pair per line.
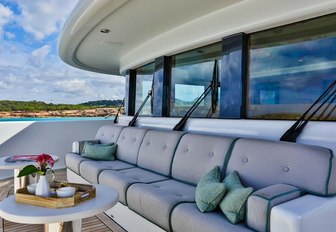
x,y
99,151
209,191
234,203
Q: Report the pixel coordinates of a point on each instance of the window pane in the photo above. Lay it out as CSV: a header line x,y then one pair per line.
x,y
144,78
290,67
191,74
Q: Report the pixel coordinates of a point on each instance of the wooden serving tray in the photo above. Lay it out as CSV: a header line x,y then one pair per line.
x,y
84,193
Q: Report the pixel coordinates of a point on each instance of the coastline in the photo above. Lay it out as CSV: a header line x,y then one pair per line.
x,y
96,112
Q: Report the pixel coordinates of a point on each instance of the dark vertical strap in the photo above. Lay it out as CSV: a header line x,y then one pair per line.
x,y
214,95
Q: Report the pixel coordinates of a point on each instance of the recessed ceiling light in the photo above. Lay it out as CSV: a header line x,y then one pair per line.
x,y
105,30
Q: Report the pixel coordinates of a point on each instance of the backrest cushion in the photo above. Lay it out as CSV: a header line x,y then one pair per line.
x,y
261,163
157,150
108,133
129,142
197,154
101,152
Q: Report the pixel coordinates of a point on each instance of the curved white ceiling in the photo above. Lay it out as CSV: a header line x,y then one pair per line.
x,y
142,30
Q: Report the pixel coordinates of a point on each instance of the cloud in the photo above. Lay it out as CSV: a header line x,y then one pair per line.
x,y
199,73
43,18
108,87
38,56
9,35
6,15
73,86
31,70
3,85
39,74
41,52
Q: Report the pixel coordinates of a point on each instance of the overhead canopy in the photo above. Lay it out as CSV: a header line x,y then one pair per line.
x,y
141,30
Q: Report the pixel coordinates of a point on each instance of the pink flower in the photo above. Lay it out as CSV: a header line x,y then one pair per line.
x,y
43,161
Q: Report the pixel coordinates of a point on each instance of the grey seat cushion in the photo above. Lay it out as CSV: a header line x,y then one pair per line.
x,y
196,155
122,179
261,163
261,202
155,201
91,169
187,218
129,142
72,161
157,150
108,133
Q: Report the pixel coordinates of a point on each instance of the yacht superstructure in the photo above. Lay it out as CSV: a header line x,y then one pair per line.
x,y
247,69
274,59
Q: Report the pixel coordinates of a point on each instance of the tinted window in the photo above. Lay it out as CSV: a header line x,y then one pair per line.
x,y
290,67
192,73
144,78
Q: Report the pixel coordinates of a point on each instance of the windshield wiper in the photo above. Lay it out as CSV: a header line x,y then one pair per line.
x,y
132,122
212,87
296,129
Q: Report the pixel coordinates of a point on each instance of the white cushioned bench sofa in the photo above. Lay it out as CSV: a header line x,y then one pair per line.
x,y
156,173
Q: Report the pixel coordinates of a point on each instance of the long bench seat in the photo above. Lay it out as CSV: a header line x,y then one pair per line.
x,y
156,173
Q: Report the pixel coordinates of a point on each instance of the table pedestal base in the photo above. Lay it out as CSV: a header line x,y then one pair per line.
x,y
73,226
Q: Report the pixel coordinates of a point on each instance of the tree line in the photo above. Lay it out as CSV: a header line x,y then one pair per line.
x,y
7,105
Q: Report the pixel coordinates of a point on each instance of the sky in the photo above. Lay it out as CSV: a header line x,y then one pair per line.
x,y
30,68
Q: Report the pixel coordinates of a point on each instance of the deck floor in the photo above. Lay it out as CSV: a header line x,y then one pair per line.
x,y
99,223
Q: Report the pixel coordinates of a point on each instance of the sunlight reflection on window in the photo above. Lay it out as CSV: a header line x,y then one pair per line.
x,y
290,68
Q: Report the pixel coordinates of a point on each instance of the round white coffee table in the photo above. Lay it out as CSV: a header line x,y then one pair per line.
x,y
106,198
17,166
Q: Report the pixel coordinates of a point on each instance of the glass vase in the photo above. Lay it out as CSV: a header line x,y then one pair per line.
x,y
43,188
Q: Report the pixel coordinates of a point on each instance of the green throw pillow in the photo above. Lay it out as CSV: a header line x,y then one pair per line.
x,y
209,191
234,203
99,151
